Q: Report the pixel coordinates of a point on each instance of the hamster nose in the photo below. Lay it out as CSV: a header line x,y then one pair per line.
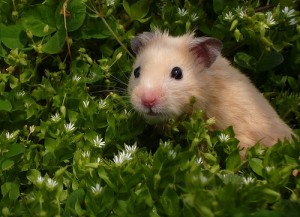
x,y
149,100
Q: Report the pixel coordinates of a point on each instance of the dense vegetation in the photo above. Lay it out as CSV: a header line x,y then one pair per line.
x,y
71,145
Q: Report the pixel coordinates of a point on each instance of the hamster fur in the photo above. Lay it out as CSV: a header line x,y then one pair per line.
x,y
171,71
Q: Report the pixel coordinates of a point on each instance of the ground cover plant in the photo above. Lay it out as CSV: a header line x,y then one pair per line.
x,y
71,145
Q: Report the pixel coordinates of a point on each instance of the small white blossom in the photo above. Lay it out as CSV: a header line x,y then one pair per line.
x,y
110,2
96,189
241,12
224,137
98,142
21,93
122,157
261,151
203,179
40,180
69,127
166,144
229,16
51,183
199,160
288,12
293,21
130,149
102,103
172,154
194,17
182,12
86,154
31,129
269,19
98,160
86,103
76,78
248,180
269,169
9,136
55,117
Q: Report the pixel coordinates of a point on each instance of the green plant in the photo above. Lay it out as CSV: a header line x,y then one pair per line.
x,y
71,145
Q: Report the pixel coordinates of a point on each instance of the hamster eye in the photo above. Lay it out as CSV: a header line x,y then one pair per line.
x,y
176,73
137,72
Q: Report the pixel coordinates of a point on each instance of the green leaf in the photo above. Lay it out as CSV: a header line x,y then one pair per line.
x,y
170,202
15,149
55,43
233,161
138,10
245,60
256,165
37,17
12,189
75,15
5,105
74,200
269,61
7,164
219,5
13,36
103,174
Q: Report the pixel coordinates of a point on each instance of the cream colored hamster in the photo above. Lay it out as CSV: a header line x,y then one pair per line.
x,y
171,71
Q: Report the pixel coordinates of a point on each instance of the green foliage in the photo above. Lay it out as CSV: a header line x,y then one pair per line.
x,y
71,145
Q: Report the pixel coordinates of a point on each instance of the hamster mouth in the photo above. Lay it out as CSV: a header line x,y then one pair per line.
x,y
152,113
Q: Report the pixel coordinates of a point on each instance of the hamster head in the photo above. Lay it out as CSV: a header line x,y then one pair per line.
x,y
166,75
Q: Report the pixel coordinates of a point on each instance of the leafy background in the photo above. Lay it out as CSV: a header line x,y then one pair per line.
x,y
71,145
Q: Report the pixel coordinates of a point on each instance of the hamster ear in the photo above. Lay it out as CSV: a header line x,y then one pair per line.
x,y
140,41
206,49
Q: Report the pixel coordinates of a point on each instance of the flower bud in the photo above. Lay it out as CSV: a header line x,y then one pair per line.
x,y
234,24
46,29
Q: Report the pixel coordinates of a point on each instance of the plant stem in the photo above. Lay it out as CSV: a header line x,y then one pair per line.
x,y
116,37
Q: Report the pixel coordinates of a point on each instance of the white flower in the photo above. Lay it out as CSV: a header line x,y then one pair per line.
x,y
229,16
122,157
248,180
31,129
98,142
102,103
10,136
269,169
270,20
287,12
86,103
172,154
261,151
241,12
51,183
55,117
182,12
76,78
166,144
199,160
21,93
69,127
194,17
40,180
293,21
203,179
130,149
110,3
85,154
96,189
224,137
98,160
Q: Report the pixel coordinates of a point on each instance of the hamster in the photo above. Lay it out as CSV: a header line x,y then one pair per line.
x,y
170,72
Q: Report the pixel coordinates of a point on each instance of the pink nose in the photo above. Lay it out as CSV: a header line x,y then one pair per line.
x,y
149,99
